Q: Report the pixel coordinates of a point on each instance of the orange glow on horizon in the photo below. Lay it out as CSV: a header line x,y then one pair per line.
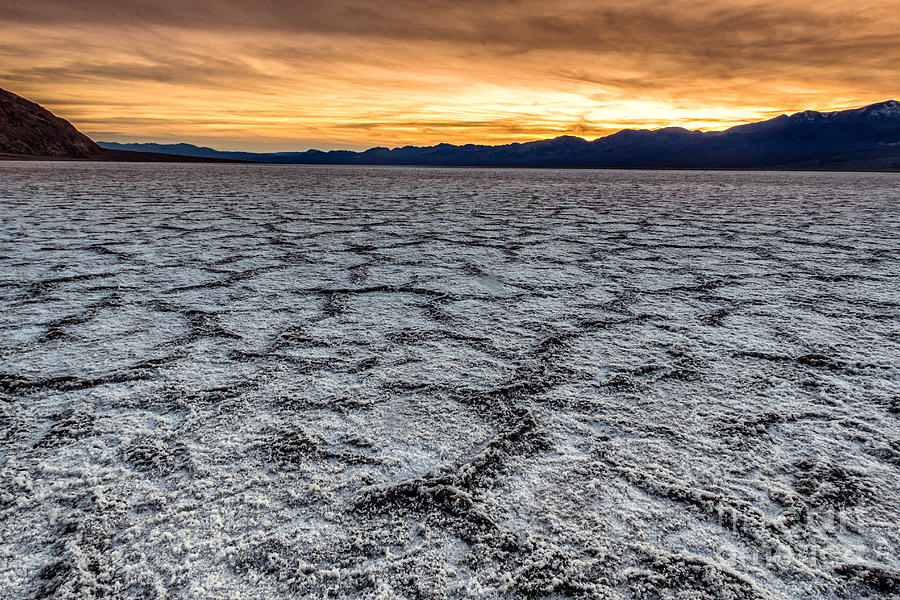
x,y
459,74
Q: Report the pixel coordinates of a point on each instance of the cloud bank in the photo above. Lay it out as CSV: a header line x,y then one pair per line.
x,y
276,75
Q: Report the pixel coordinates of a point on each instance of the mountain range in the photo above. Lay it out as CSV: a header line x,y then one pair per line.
x,y
866,138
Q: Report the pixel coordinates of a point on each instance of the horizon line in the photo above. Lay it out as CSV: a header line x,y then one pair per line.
x,y
562,135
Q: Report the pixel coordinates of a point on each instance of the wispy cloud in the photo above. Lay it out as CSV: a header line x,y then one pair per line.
x,y
281,75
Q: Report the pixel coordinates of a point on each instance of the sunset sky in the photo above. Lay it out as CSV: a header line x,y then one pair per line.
x,y
290,75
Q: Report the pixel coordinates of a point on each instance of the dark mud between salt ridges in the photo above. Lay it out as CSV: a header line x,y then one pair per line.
x,y
286,382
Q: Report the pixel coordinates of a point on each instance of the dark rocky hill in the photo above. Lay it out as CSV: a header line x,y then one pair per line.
x,y
30,129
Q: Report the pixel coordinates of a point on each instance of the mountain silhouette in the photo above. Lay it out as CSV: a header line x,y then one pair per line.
x,y
865,138
30,131
29,128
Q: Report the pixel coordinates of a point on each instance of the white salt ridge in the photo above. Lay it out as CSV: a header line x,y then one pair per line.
x,y
225,381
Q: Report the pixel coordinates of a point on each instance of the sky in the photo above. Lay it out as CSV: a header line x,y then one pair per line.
x,y
270,75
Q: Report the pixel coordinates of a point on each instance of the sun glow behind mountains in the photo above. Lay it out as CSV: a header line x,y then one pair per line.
x,y
272,76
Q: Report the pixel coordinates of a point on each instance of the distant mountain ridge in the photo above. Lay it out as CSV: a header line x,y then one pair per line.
x,y
866,138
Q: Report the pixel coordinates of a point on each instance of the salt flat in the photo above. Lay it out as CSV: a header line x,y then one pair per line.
x,y
227,381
